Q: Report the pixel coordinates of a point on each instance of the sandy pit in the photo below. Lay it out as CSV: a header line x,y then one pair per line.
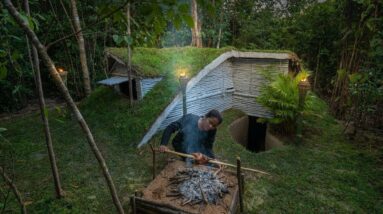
x,y
159,188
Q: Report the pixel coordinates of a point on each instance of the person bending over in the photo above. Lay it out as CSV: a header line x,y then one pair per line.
x,y
195,135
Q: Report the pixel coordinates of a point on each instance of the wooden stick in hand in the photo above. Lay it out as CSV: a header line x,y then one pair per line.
x,y
215,162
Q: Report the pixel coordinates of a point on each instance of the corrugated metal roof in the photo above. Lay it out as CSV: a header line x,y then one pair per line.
x,y
114,80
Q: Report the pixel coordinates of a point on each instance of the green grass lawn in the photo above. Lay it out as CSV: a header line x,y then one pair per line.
x,y
325,174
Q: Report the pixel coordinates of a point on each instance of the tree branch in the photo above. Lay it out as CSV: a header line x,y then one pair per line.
x,y
91,24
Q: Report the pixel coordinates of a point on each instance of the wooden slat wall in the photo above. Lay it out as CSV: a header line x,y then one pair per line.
x,y
248,80
214,91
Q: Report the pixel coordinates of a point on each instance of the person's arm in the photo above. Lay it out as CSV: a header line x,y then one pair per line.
x,y
209,143
170,129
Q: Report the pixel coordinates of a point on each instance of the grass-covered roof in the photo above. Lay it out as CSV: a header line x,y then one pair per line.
x,y
152,62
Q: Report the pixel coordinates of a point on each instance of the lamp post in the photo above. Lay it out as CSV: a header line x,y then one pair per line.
x,y
183,79
303,87
63,74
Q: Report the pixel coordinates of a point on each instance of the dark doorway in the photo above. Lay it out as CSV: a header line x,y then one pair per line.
x,y
256,135
124,88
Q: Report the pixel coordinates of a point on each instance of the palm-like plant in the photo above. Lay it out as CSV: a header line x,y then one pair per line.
x,y
281,97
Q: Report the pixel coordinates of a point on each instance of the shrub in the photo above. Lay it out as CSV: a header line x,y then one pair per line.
x,y
280,96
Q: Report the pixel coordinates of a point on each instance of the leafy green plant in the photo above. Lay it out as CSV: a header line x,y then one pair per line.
x,y
280,95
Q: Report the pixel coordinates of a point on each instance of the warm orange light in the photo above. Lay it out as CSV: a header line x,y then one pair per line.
x,y
182,73
60,70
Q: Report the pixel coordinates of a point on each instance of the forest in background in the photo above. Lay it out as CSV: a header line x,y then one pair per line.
x,y
340,42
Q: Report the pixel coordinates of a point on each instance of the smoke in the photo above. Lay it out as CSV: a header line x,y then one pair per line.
x,y
176,37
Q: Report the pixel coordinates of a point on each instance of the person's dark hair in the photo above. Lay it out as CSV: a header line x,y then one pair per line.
x,y
216,114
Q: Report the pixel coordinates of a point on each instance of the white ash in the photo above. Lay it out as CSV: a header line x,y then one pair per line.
x,y
213,189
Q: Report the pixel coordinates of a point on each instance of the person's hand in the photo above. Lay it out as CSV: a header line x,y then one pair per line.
x,y
163,148
200,158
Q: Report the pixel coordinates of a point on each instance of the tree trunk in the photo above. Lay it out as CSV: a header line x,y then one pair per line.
x,y
317,67
196,30
14,189
81,45
63,89
220,27
129,57
48,138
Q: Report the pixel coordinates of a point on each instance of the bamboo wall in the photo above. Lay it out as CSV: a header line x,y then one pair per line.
x,y
248,80
233,84
214,91
147,84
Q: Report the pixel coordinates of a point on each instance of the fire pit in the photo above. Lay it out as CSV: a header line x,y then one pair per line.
x,y
199,189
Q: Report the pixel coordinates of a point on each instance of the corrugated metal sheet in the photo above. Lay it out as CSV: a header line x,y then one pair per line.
x,y
148,84
113,80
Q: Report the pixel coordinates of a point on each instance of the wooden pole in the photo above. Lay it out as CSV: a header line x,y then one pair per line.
x,y
64,90
216,162
183,83
129,56
35,63
11,184
240,190
154,160
133,201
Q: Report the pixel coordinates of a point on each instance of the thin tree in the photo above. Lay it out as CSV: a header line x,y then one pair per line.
x,y
129,56
196,30
34,58
15,191
81,45
220,25
63,89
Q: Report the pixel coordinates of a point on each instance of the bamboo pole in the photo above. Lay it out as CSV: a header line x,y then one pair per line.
x,y
154,160
215,162
64,90
12,185
240,189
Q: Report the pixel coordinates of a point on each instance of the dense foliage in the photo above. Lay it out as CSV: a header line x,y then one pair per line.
x,y
340,41
280,95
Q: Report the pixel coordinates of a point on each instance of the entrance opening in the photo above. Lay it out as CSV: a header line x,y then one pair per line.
x,y
256,135
124,88
252,135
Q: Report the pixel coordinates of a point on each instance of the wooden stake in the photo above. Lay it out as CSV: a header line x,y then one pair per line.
x,y
240,190
133,201
13,187
154,160
216,162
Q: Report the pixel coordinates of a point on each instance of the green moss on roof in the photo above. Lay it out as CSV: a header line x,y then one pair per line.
x,y
265,50
152,62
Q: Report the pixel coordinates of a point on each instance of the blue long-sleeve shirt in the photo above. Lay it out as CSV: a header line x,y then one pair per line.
x,y
189,138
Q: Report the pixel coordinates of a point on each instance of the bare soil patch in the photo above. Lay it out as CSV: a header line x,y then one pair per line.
x,y
159,188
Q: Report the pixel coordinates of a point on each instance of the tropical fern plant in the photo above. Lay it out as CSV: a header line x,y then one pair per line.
x,y
280,95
